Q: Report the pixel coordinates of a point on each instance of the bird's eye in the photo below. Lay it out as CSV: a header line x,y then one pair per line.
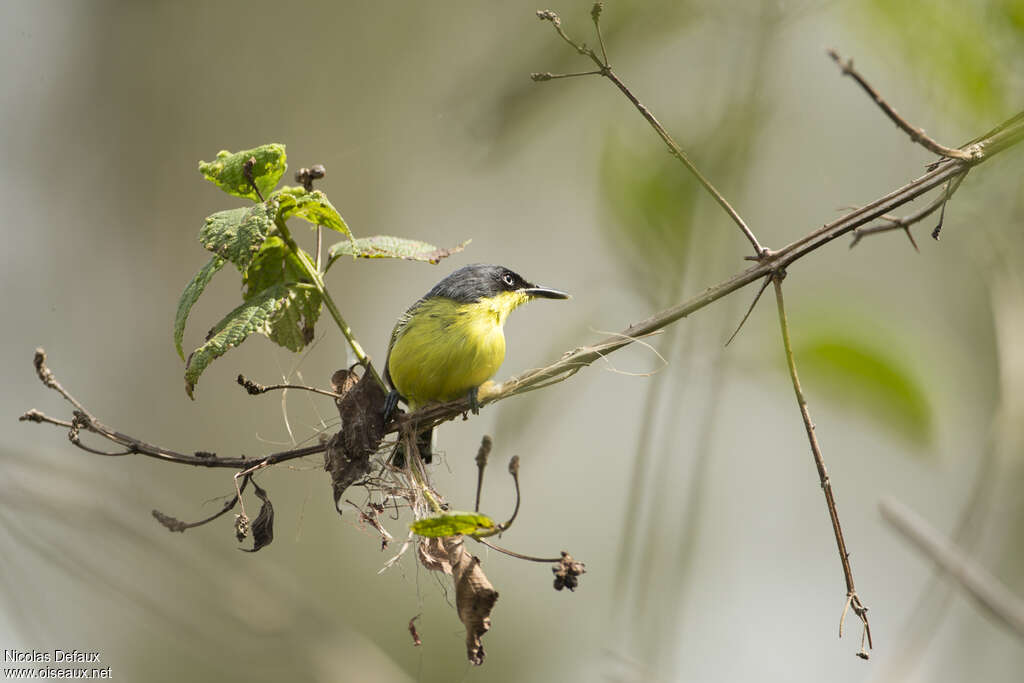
x,y
508,279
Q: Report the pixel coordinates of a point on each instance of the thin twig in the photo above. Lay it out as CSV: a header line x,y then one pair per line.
x,y
548,76
757,297
50,381
255,388
987,591
916,134
85,420
942,214
513,469
904,222
604,69
512,553
481,464
595,14
852,599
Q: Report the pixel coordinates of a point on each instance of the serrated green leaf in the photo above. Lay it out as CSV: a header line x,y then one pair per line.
x,y
254,315
227,170
189,297
867,379
313,207
238,234
451,524
386,246
294,326
276,264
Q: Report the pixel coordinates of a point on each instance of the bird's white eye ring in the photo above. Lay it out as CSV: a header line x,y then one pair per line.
x,y
507,277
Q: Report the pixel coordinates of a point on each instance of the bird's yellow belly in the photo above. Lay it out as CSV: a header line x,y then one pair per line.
x,y
445,351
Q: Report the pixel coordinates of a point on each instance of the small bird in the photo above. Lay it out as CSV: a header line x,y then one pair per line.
x,y
452,340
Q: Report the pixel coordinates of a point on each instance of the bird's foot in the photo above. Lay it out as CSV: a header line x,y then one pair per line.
x,y
474,401
390,403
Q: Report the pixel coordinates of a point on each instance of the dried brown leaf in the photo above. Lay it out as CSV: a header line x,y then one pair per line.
x,y
474,597
474,594
362,428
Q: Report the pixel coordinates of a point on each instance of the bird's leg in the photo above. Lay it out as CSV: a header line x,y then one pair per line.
x,y
474,401
390,403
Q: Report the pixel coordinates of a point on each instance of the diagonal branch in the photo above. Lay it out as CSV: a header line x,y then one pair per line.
x,y
999,140
852,599
916,134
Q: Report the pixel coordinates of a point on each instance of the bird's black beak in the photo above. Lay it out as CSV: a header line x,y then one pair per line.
x,y
545,292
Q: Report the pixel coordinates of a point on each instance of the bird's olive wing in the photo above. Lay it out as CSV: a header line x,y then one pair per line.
x,y
400,327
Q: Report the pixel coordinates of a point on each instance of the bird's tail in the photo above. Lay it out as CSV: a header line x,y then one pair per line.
x,y
424,444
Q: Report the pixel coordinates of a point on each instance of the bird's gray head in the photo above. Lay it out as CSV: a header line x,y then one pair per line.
x,y
478,281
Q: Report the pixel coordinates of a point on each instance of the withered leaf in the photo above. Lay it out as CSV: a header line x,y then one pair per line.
x,y
263,526
361,408
474,594
174,524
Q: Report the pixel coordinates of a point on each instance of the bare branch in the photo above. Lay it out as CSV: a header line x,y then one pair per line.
x,y
573,361
916,134
85,420
518,556
255,388
605,69
852,599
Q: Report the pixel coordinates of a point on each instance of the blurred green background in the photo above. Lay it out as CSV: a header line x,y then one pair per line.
x,y
690,493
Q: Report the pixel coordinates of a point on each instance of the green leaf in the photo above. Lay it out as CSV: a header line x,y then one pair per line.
x,y
870,379
313,207
295,324
238,234
276,264
227,170
189,297
254,315
451,524
385,246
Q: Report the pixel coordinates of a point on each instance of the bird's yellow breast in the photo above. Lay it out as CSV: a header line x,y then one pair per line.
x,y
442,349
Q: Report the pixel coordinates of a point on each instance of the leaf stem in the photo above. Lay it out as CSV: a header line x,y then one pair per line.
x,y
314,274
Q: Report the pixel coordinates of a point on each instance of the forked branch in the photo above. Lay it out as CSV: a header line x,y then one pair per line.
x,y
605,69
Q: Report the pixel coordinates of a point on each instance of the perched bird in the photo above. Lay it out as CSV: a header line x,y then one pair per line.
x,y
452,340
